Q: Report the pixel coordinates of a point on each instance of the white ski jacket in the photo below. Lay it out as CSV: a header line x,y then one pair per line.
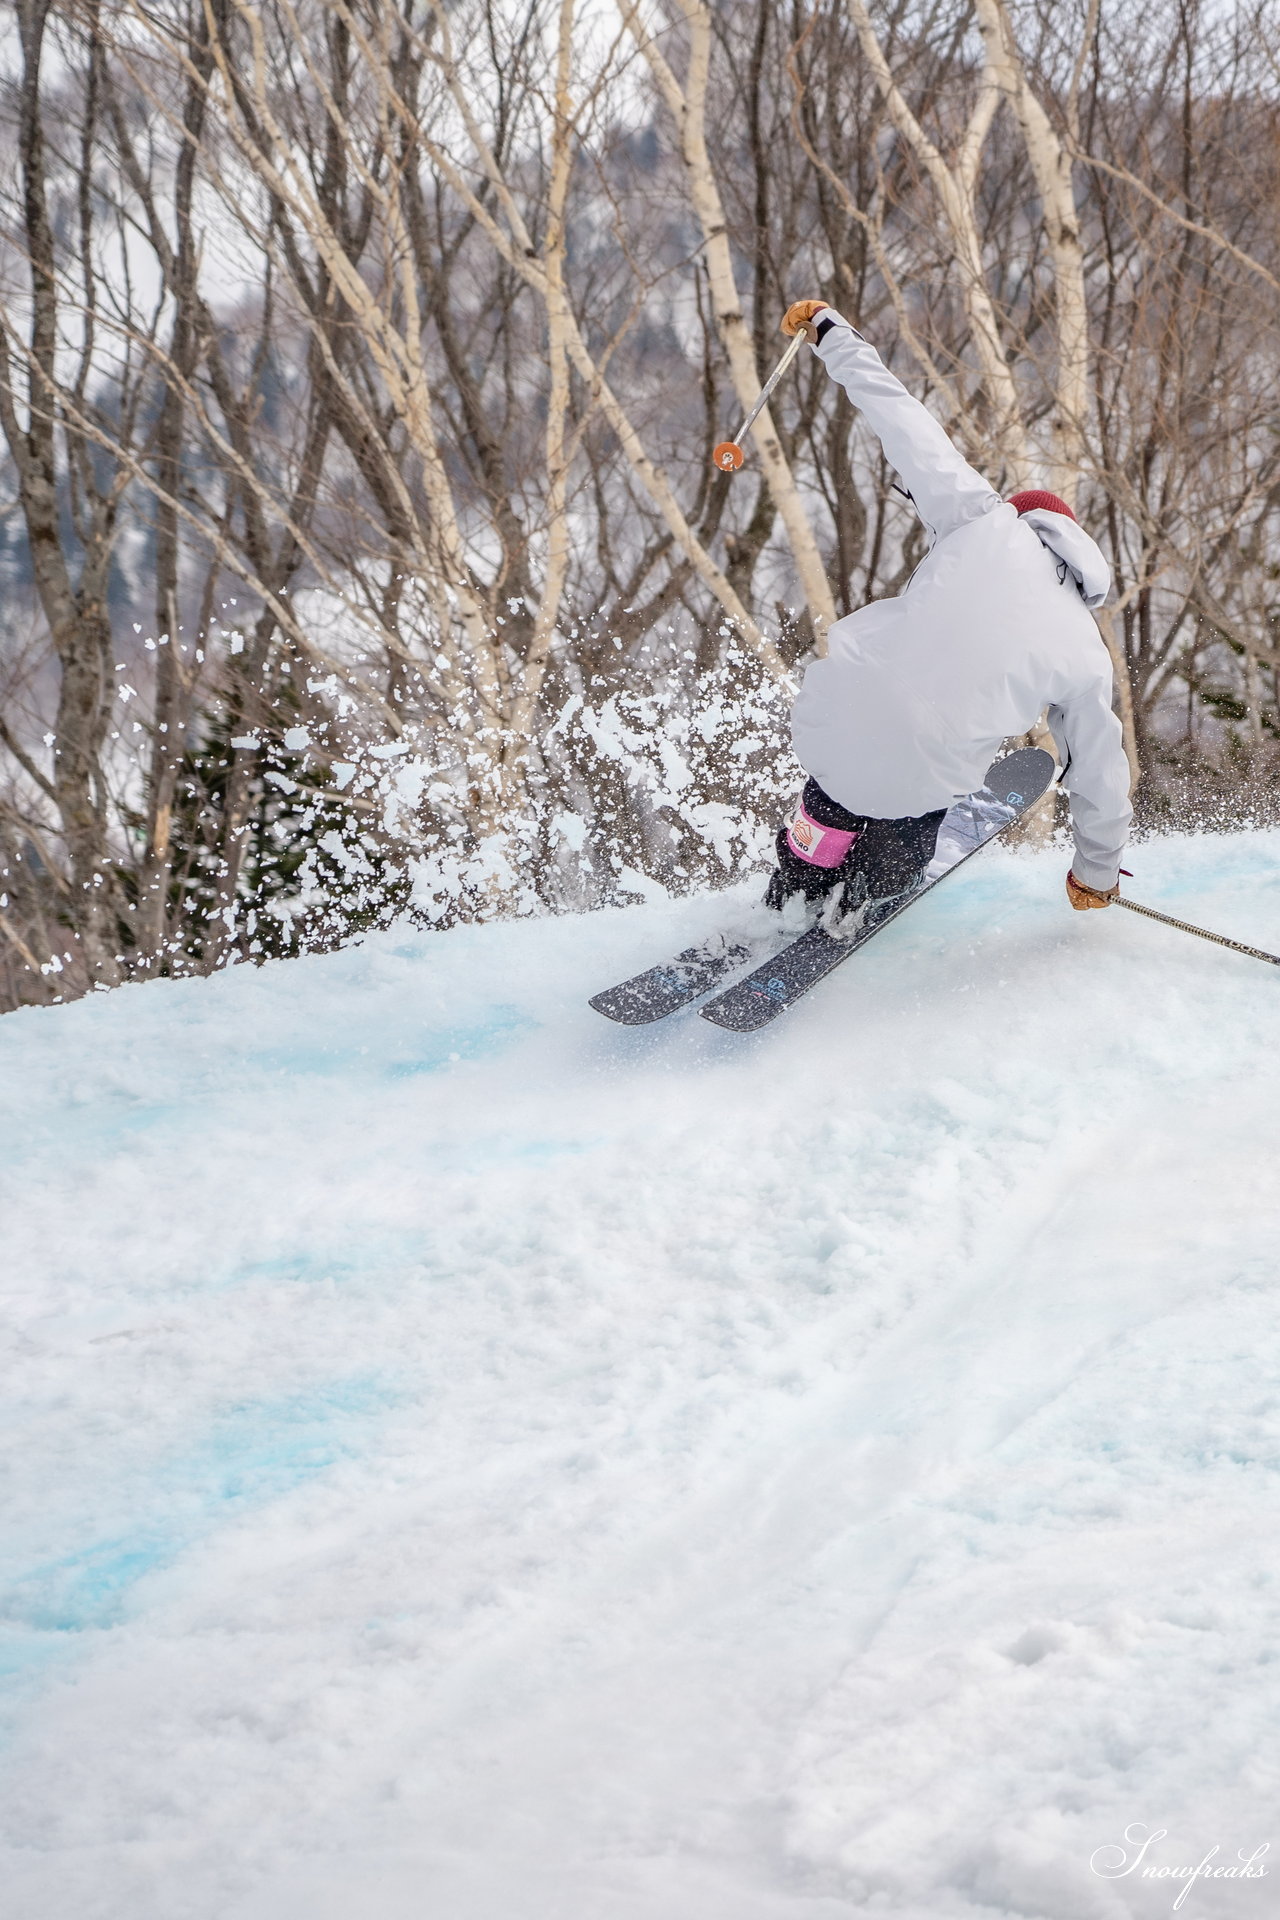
x,y
917,693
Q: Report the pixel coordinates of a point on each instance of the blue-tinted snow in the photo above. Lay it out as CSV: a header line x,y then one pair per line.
x,y
466,1460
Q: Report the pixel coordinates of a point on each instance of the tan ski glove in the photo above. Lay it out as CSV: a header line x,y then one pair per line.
x,y
798,317
1083,898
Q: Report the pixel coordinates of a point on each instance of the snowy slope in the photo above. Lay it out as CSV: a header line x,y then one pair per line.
x,y
469,1461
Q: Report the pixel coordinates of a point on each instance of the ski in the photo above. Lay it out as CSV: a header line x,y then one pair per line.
x,y
1013,786
1020,780
672,984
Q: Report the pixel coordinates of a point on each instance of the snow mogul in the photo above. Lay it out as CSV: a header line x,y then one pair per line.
x,y
916,694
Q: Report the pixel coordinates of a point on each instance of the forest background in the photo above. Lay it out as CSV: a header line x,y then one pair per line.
x,y
359,370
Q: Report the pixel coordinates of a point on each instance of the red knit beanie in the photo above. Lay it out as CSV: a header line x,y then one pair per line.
x,y
1028,502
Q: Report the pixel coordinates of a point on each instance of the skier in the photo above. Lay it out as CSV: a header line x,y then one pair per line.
x,y
916,694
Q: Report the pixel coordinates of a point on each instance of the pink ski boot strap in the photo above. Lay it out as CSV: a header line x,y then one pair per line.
x,y
820,846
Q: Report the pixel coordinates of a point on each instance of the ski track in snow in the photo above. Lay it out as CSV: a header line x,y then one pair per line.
x,y
466,1460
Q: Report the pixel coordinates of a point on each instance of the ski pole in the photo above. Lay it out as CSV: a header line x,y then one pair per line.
x,y
1219,939
728,455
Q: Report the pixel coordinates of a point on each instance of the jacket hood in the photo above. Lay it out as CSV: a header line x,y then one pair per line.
x,y
1082,557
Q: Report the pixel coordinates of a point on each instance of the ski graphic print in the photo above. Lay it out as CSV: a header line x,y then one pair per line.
x,y
1013,786
784,969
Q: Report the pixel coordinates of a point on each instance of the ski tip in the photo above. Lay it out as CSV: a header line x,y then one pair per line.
x,y
1021,778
